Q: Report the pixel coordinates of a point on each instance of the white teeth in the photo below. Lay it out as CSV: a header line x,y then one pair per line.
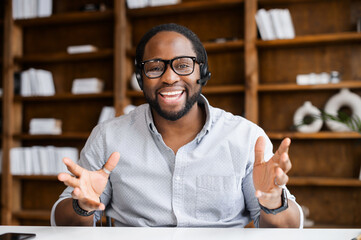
x,y
171,93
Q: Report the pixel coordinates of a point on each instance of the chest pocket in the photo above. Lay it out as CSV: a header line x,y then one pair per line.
x,y
217,198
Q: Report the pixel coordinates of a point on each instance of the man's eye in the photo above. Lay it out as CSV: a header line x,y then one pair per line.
x,y
182,66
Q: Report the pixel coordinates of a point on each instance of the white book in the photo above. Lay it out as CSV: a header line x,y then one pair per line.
x,y
267,23
81,49
261,27
33,82
154,3
137,4
106,114
43,160
288,24
16,154
25,86
33,8
45,8
276,18
35,160
50,150
45,83
27,161
87,85
45,126
16,9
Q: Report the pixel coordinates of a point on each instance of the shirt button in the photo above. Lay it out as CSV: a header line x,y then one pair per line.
x,y
177,178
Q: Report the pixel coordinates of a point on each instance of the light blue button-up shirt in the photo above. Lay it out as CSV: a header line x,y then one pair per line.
x,y
207,183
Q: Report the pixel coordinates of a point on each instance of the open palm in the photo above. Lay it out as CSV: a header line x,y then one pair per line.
x,y
88,185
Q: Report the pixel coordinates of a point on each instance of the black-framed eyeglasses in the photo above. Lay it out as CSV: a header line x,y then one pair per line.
x,y
155,68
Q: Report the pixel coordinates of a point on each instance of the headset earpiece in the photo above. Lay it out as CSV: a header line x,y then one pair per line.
x,y
204,73
138,74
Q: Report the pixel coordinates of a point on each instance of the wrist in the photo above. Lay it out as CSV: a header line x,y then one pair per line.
x,y
79,210
282,207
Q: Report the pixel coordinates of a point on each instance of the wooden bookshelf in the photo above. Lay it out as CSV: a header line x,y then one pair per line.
x,y
42,43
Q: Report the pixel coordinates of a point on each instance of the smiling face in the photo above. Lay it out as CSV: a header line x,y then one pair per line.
x,y
172,96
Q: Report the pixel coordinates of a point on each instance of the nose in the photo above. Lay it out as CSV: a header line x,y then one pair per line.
x,y
169,76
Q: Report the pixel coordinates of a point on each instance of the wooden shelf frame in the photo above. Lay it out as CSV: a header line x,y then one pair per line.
x,y
64,96
319,135
294,87
323,182
67,18
65,57
64,136
183,7
300,41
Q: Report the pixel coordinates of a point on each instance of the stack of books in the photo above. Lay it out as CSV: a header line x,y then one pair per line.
x,y
81,49
49,126
275,24
152,3
36,82
32,8
87,85
40,160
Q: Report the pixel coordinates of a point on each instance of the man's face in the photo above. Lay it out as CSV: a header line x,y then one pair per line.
x,y
171,95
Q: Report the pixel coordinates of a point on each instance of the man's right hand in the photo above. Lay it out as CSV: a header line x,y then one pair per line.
x,y
88,185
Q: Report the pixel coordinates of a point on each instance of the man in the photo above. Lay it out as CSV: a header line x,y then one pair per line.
x,y
177,161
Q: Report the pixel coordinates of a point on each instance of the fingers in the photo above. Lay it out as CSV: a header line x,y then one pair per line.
x,y
283,148
285,163
259,151
72,167
281,177
68,180
112,162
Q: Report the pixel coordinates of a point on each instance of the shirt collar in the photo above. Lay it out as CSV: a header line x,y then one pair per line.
x,y
206,128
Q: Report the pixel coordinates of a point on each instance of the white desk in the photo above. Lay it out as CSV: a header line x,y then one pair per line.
x,y
106,233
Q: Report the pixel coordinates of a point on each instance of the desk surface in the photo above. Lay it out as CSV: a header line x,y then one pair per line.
x,y
106,233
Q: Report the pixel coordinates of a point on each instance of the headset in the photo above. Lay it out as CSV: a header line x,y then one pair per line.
x,y
203,68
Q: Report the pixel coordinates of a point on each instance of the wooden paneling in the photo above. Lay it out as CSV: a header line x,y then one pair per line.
x,y
325,206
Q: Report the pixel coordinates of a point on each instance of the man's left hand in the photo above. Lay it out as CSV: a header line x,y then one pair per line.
x,y
270,176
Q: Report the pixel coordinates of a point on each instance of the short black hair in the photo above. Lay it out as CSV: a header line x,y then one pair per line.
x,y
172,27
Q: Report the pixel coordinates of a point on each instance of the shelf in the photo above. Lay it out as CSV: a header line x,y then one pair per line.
x,y
64,96
311,40
211,47
206,90
33,215
184,8
324,182
294,87
223,46
64,136
73,17
65,57
319,135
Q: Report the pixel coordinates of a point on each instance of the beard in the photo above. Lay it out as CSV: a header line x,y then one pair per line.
x,y
170,115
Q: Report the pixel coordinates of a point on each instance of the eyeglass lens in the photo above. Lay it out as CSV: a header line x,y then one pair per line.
x,y
181,66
